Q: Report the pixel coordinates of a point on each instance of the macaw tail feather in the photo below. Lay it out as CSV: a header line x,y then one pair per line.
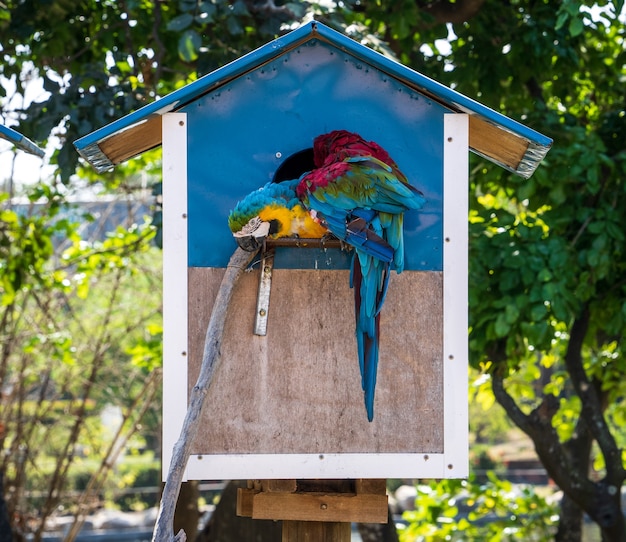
x,y
393,227
368,360
369,277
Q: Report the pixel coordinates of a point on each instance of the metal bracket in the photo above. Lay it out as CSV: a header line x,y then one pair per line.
x,y
263,296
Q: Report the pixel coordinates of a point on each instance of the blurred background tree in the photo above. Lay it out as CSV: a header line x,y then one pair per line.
x,y
547,259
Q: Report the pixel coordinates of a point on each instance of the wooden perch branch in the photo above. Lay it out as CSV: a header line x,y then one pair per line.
x,y
164,527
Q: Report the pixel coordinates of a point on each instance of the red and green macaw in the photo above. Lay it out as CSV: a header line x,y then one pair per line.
x,y
357,193
360,195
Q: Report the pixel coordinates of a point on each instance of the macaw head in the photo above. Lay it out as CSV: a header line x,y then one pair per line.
x,y
266,212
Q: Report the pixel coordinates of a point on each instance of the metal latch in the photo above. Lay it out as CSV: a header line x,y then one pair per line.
x,y
263,296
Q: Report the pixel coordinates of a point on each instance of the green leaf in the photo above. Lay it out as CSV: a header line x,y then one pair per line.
x,y
234,26
576,26
572,7
177,24
527,190
239,8
188,45
502,326
561,19
544,275
206,12
187,5
558,194
538,312
511,314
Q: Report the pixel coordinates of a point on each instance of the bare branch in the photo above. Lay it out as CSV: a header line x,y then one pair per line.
x,y
163,530
135,412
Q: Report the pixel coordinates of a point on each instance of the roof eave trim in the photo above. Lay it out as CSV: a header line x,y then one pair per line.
x,y
528,164
21,141
533,157
94,155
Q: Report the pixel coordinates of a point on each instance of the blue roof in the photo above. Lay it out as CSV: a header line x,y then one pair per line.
x,y
20,141
498,138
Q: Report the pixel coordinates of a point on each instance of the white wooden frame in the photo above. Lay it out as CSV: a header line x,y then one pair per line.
x,y
174,281
452,463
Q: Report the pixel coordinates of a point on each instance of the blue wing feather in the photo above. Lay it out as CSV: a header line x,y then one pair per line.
x,y
363,206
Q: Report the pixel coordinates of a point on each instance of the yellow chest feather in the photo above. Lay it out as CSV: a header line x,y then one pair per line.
x,y
293,222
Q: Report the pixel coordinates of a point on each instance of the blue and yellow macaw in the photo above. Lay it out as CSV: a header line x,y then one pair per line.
x,y
272,211
360,195
357,193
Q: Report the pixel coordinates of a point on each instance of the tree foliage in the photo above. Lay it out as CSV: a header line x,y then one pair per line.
x,y
547,264
471,511
102,59
72,342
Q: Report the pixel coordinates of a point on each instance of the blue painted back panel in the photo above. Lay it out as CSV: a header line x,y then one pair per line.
x,y
240,134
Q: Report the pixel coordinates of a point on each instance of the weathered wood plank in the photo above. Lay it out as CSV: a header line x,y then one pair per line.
x,y
244,501
495,143
289,485
343,507
375,486
298,389
133,141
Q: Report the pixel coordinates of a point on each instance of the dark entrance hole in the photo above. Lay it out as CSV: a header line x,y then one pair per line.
x,y
295,165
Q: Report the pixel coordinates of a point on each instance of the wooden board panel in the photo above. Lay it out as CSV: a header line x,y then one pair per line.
x,y
331,507
298,389
362,500
133,141
495,143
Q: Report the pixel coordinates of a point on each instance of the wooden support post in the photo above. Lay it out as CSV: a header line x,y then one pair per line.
x,y
316,531
315,510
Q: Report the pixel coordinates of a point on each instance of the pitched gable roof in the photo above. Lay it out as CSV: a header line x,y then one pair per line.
x,y
494,136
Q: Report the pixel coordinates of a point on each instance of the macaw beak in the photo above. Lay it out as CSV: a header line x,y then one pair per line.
x,y
249,243
255,233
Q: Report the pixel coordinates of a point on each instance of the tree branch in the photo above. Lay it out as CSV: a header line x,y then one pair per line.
x,y
535,90
592,408
134,412
96,364
567,463
164,527
538,426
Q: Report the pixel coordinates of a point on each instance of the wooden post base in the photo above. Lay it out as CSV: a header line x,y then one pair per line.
x,y
316,531
315,510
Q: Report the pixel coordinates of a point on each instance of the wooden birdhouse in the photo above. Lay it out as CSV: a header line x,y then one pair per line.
x,y
287,401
